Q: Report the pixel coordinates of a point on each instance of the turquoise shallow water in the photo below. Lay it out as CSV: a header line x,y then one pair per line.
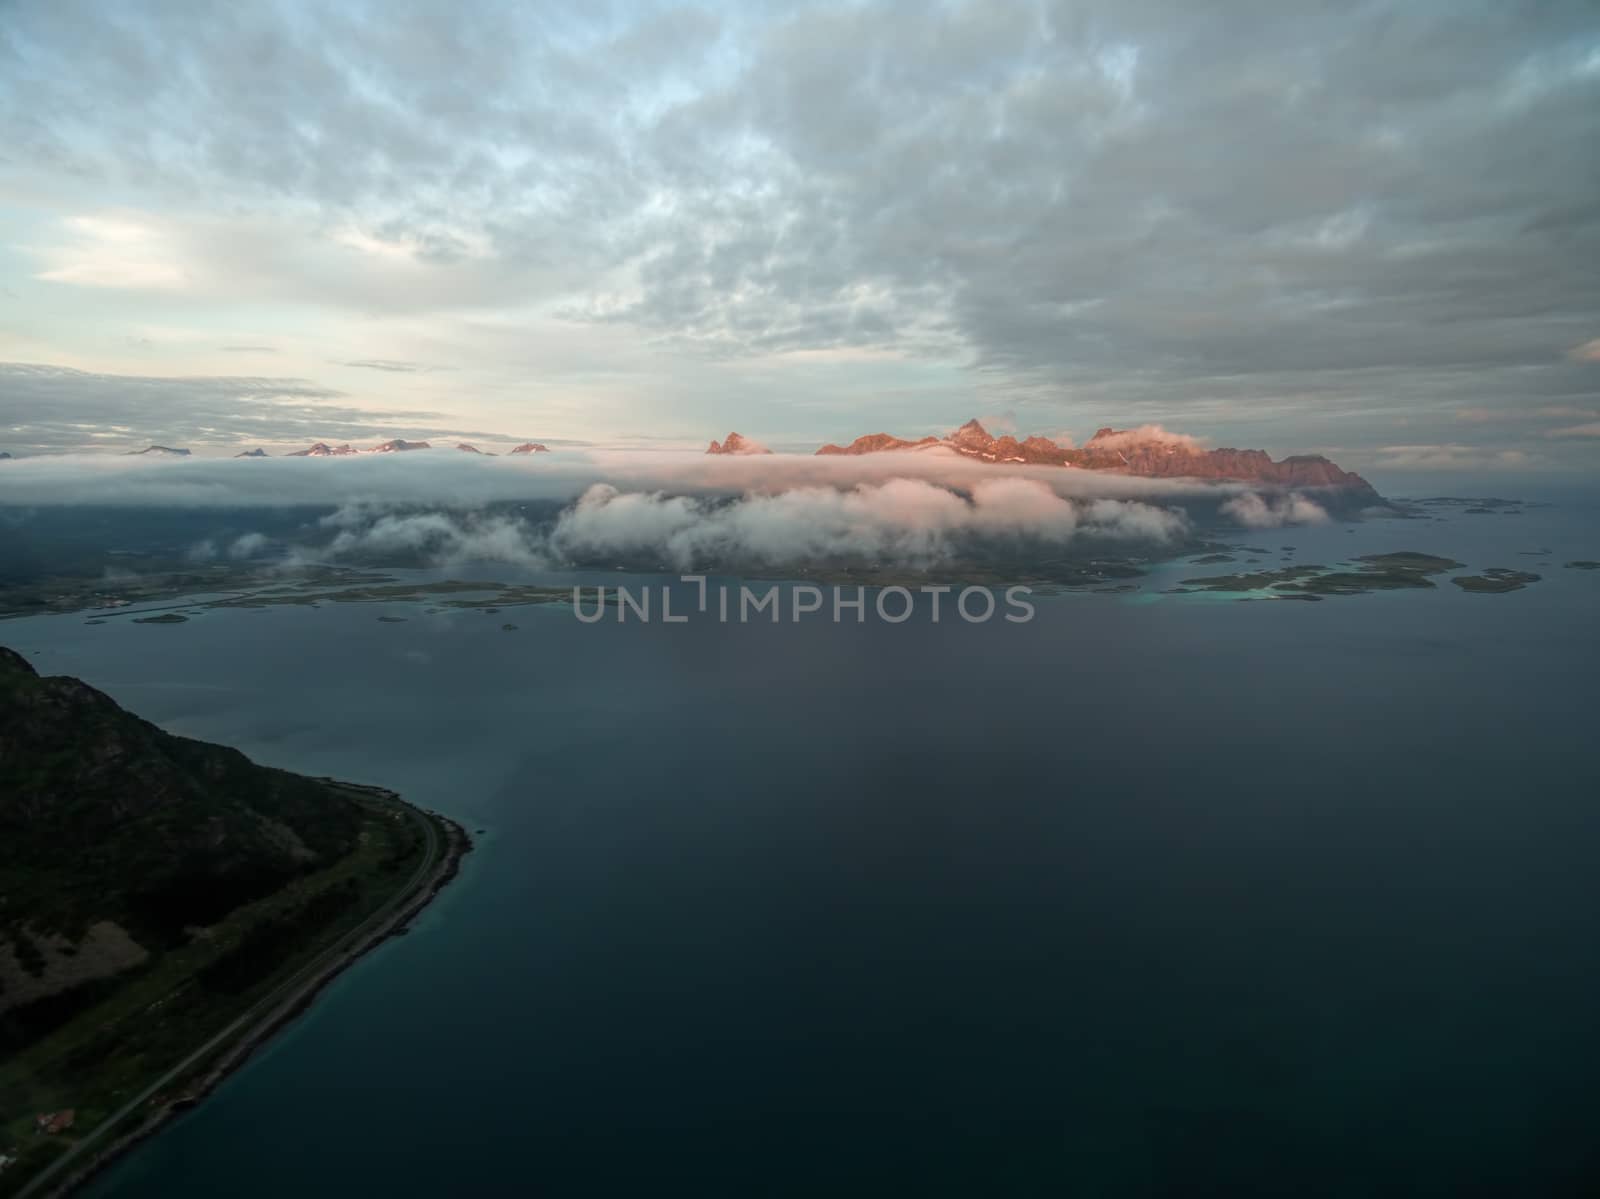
x,y
1139,898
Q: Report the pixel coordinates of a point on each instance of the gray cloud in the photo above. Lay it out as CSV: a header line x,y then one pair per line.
x,y
55,408
1259,213
1591,429
395,367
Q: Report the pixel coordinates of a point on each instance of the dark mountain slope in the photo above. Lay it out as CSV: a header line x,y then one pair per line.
x,y
105,817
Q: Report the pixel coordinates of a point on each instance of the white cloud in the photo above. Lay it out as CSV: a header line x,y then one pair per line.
x,y
1147,435
908,522
867,518
113,252
1255,512
440,538
1451,456
248,546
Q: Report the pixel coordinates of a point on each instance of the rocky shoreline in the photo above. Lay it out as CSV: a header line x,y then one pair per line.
x,y
457,845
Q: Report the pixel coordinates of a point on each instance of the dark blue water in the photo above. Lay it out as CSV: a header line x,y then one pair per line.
x,y
1140,898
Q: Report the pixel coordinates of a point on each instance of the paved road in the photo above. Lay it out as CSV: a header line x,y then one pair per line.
x,y
262,1014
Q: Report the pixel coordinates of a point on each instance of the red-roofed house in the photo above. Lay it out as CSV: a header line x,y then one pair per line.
x,y
51,1123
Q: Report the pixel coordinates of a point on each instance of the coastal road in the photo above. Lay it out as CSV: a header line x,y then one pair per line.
x,y
266,1012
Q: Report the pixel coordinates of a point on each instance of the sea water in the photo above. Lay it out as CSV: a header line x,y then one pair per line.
x,y
1145,896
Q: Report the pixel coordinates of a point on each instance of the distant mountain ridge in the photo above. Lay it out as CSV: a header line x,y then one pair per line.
x,y
737,443
323,449
1148,454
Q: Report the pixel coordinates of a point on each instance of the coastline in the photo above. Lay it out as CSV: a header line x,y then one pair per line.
x,y
393,920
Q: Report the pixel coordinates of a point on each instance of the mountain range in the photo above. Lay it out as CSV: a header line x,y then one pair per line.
x,y
322,449
1144,452
398,446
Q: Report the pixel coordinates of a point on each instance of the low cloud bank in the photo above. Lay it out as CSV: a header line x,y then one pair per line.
x,y
449,478
673,509
1147,435
441,538
900,522
1254,512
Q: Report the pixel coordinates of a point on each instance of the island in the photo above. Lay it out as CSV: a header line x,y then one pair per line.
x,y
1405,569
168,904
1496,580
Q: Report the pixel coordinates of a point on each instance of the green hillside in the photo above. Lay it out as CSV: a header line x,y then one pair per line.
x,y
157,893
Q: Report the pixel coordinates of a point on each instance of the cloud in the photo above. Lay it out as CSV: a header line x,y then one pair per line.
x,y
1085,212
898,522
395,367
112,252
679,510
1591,429
1135,521
1148,434
444,477
1452,457
57,408
439,538
903,522
1255,512
249,545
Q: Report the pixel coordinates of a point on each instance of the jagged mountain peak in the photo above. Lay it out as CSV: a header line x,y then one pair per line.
x,y
737,443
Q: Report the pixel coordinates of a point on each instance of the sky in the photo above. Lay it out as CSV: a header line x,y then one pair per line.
x,y
1364,229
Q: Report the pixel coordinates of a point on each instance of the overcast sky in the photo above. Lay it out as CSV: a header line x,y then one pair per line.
x,y
1370,229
